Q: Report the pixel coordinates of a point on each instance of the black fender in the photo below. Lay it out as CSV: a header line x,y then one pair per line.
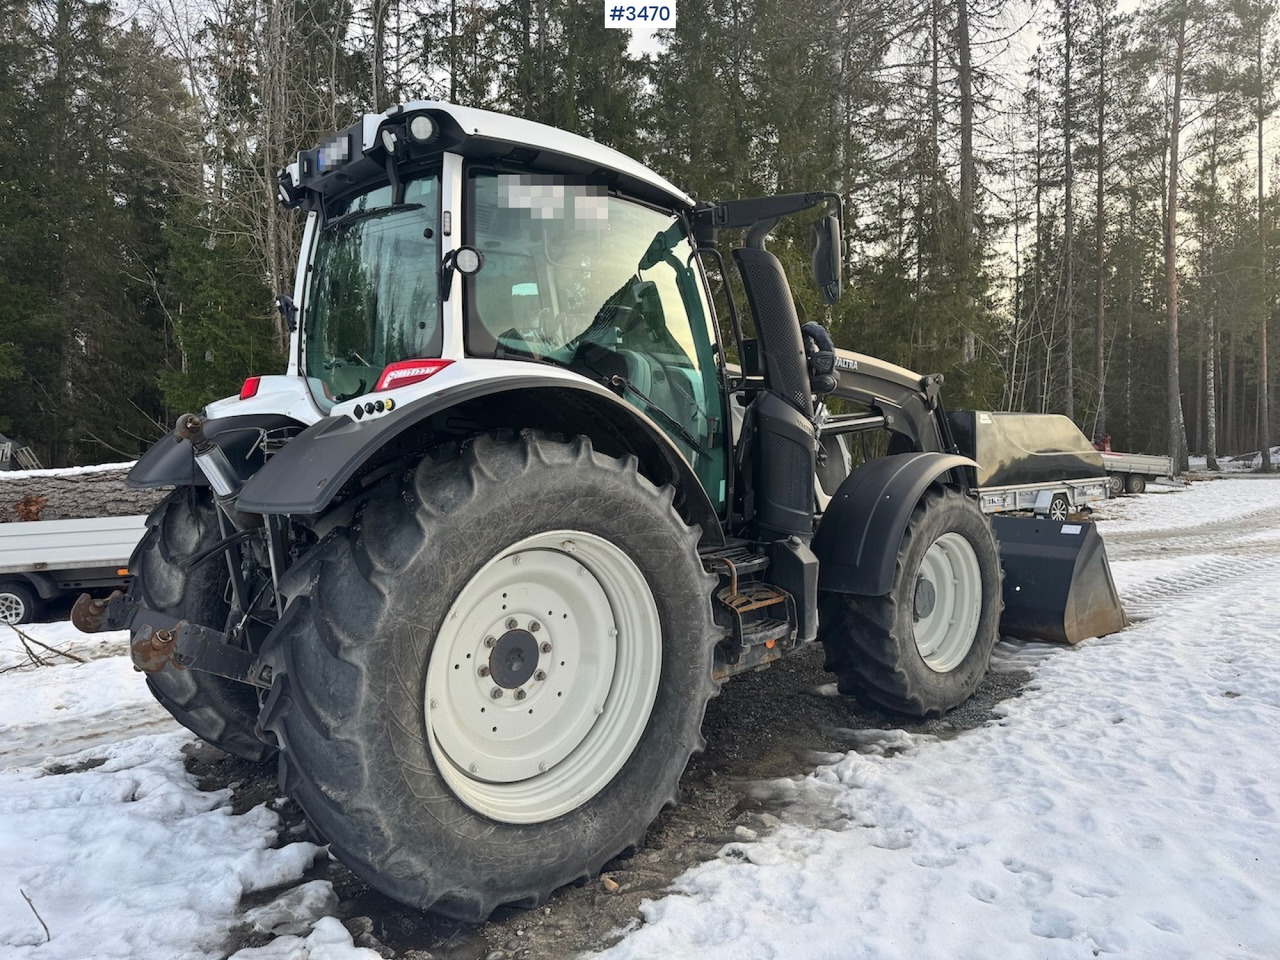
x,y
328,461
171,463
857,539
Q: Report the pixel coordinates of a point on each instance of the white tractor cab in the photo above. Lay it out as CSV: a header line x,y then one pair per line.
x,y
473,566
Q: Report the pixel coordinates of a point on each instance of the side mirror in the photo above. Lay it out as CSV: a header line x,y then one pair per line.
x,y
828,252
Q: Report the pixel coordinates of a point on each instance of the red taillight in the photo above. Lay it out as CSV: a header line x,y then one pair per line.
x,y
250,388
404,372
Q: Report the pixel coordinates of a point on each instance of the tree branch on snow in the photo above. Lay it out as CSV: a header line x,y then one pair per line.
x,y
47,937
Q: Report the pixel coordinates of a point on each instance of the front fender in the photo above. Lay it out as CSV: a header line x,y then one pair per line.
x,y
858,537
327,462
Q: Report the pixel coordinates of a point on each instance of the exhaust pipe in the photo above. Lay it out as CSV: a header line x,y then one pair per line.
x,y
217,469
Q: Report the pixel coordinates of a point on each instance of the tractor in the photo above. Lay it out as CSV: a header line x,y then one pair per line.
x,y
472,567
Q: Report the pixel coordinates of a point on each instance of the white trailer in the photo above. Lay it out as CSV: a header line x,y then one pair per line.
x,y
1129,472
1055,499
42,559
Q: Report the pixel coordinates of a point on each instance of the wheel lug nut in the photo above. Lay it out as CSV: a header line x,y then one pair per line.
x,y
520,694
511,623
495,693
490,641
483,671
546,647
534,626
540,675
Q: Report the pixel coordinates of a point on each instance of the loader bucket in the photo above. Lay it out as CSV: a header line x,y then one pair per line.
x,y
1057,583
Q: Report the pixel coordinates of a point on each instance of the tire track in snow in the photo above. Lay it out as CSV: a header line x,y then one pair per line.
x,y
1151,598
1191,538
1238,548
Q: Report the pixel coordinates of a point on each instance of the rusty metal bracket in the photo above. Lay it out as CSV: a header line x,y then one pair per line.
x,y
152,649
207,650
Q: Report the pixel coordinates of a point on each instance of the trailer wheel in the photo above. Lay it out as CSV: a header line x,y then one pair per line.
x,y
219,711
18,603
924,647
499,674
1115,483
1136,483
1059,508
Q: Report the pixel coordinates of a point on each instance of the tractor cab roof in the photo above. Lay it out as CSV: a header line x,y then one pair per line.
x,y
352,158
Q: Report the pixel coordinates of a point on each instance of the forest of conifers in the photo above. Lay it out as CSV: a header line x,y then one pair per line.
x,y
1069,206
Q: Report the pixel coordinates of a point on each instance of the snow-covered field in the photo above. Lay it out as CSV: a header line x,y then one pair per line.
x,y
1127,804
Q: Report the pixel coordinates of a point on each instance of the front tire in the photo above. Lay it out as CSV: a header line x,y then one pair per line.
x,y
923,648
498,675
217,710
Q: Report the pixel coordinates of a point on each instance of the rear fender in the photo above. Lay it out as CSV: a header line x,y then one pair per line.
x,y
858,537
171,463
338,457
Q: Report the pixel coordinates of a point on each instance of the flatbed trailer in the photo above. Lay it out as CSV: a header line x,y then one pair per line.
x,y
1056,499
1130,472
42,559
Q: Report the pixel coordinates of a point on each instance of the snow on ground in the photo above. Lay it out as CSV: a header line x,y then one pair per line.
x,y
101,826
1235,464
1200,503
66,471
1127,804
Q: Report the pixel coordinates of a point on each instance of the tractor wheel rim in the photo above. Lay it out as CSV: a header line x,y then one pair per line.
x,y
12,609
945,635
543,676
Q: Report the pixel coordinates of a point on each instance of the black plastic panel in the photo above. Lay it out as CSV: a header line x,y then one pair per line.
x,y
170,463
777,326
858,537
327,461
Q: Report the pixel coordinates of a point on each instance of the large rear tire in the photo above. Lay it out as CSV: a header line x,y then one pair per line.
x,y
497,676
923,648
219,711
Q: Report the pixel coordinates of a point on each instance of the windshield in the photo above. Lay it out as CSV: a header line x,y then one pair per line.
x,y
604,286
373,295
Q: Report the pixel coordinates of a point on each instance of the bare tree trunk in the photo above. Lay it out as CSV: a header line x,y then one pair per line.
x,y
1068,219
1211,310
1198,404
1172,380
1037,289
1211,395
1231,411
968,173
1263,398
379,10
1100,221
1265,401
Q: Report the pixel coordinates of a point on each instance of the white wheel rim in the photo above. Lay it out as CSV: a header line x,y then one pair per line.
x,y
567,722
1058,510
947,602
12,609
